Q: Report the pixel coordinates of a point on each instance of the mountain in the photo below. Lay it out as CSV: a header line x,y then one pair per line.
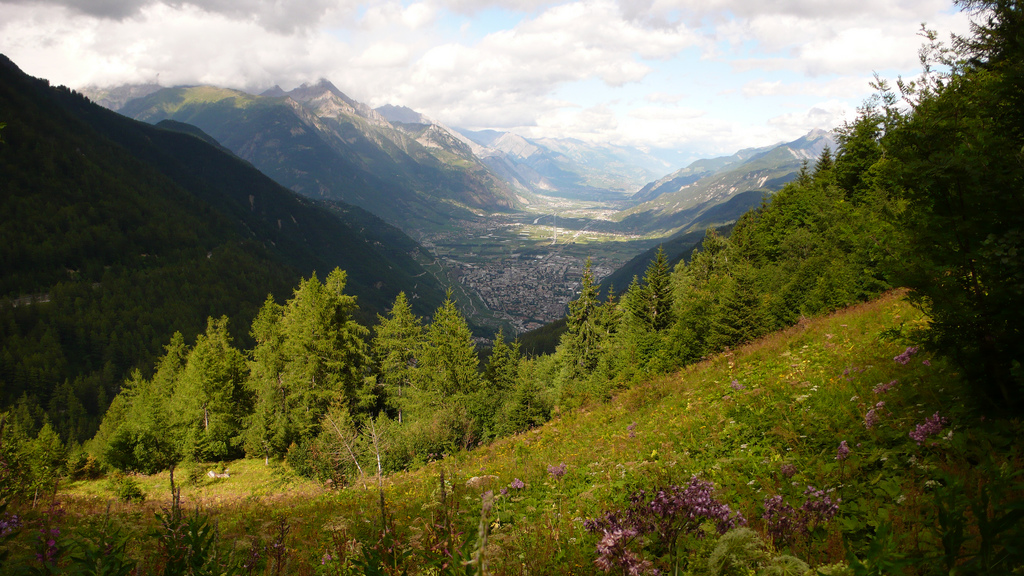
x,y
730,185
115,233
565,167
320,143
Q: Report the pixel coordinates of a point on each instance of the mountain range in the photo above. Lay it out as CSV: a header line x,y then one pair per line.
x,y
116,233
716,191
318,142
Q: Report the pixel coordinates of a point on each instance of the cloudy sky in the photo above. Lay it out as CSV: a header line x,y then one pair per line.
x,y
701,76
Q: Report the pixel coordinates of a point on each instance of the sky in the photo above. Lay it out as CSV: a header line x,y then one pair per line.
x,y
700,77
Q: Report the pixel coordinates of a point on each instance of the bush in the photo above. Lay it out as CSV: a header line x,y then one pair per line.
x,y
126,488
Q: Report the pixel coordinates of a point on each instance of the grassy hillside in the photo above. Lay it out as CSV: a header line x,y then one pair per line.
x,y
760,421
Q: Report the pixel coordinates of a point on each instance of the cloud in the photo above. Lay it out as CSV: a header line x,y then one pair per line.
x,y
273,15
827,115
843,87
711,74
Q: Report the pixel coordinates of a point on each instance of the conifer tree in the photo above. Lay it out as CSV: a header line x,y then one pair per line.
x,y
502,369
268,429
397,347
450,363
658,292
209,400
580,345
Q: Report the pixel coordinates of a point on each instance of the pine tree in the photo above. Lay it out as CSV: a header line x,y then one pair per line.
x,y
209,401
324,351
450,363
397,346
580,345
502,370
658,292
268,430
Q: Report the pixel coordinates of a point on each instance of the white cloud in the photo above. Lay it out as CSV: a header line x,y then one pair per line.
x,y
716,74
827,115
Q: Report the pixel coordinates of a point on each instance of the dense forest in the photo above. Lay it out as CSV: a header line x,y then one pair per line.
x,y
925,192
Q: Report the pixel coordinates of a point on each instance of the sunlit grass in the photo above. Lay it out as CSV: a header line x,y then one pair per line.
x,y
734,419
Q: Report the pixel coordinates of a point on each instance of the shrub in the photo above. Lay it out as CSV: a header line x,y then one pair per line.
x,y
125,488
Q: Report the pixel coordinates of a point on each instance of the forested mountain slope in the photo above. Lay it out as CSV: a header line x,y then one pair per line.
x,y
117,233
322,144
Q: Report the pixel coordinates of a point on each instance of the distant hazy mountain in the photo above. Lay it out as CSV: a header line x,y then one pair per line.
x,y
320,143
565,167
719,190
115,97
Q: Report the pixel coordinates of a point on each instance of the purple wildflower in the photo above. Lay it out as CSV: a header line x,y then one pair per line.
x,y
632,430
9,523
503,491
931,426
737,386
557,472
904,358
788,470
781,519
819,507
612,552
926,362
517,484
870,419
843,452
883,388
667,514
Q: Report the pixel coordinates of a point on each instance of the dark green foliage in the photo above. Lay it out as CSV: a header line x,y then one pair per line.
x,y
957,163
397,347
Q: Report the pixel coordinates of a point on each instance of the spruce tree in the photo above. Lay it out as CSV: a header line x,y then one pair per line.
x,y
450,363
397,346
580,345
209,400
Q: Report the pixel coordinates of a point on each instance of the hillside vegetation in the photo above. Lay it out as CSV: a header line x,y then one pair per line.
x,y
685,433
768,425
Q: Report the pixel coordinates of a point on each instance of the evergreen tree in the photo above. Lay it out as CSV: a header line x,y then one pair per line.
x,y
450,363
824,164
502,369
324,351
268,429
580,345
397,346
958,165
658,292
209,401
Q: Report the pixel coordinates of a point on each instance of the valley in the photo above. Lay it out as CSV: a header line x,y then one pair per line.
x,y
519,271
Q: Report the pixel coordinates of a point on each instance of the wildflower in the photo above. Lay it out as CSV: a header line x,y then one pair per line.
x,y
788,470
517,484
883,388
904,358
819,507
931,426
870,419
9,523
926,362
504,491
737,386
781,520
557,472
632,430
843,452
